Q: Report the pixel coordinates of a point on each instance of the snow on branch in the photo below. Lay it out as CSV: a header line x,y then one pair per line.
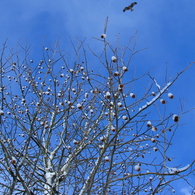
x,y
173,170
156,97
161,91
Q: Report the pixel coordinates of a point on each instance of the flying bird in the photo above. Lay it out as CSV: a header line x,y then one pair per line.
x,y
130,7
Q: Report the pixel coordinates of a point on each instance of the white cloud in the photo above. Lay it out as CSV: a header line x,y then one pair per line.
x,y
186,191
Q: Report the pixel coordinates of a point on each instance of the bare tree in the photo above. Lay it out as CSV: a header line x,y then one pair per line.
x,y
77,127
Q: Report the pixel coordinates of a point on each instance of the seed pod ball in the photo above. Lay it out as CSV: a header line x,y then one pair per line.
x,y
176,118
170,95
103,36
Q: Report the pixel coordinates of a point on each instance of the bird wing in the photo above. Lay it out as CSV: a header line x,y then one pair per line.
x,y
125,9
132,4
130,7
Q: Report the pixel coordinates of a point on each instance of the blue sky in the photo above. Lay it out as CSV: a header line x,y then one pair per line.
x,y
165,28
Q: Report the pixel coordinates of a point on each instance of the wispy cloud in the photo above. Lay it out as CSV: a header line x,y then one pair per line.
x,y
186,191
